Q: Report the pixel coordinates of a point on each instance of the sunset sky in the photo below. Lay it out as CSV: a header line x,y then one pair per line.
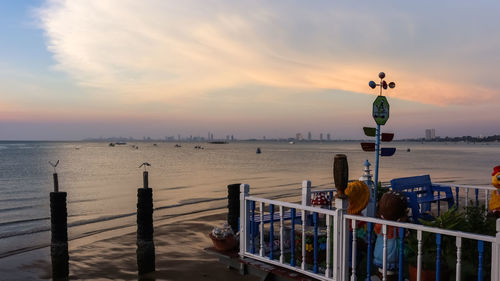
x,y
73,69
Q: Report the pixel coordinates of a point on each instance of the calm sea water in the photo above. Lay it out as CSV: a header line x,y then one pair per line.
x,y
102,181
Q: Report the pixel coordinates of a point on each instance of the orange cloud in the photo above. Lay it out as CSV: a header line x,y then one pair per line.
x,y
173,52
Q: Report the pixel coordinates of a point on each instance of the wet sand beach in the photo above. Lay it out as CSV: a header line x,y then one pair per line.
x,y
180,255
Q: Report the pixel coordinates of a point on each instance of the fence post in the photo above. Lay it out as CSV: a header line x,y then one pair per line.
x,y
59,230
145,244
495,255
233,205
341,243
306,192
244,218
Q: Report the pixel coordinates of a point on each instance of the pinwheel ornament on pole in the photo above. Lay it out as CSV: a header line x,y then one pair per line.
x,y
380,114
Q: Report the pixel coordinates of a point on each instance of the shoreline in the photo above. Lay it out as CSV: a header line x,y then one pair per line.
x,y
180,255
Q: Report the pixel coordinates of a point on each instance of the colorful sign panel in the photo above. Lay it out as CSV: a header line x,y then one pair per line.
x,y
380,110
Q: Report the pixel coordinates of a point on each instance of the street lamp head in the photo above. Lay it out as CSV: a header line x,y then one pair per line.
x,y
372,84
384,85
392,85
381,75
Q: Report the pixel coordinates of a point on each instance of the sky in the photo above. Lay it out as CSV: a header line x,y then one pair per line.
x,y
73,69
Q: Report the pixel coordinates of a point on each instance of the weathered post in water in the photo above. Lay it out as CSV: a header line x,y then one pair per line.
x,y
233,205
340,174
59,230
145,243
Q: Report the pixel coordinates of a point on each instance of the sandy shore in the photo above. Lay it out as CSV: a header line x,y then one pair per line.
x,y
180,255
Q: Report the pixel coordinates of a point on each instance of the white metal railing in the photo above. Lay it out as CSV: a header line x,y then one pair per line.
x,y
287,253
460,189
257,237
420,229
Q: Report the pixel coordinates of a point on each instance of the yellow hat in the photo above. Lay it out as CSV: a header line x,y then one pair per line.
x,y
358,195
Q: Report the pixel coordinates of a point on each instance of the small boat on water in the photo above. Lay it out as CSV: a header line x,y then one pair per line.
x,y
111,144
408,150
121,143
292,142
258,150
177,145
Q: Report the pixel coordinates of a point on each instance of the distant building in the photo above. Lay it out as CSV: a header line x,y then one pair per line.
x,y
321,137
328,137
309,136
298,136
430,134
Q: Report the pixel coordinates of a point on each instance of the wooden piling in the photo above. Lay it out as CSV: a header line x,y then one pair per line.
x,y
59,230
340,174
145,243
233,205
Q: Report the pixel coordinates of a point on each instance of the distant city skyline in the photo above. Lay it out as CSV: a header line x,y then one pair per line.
x,y
76,69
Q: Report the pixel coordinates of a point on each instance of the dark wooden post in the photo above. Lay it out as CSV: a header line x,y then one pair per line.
x,y
340,174
233,205
145,243
59,229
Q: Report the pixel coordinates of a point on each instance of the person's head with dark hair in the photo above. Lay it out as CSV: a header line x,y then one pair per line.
x,y
393,206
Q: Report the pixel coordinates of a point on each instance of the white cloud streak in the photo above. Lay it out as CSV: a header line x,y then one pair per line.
x,y
175,51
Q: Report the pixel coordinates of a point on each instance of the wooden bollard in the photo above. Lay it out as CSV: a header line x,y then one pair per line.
x,y
59,229
145,243
233,205
340,174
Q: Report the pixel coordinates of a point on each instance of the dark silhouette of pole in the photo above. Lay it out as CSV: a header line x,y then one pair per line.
x,y
233,205
145,243
340,174
59,231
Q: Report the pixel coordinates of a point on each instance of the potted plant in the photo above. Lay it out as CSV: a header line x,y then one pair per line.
x,y
451,220
476,220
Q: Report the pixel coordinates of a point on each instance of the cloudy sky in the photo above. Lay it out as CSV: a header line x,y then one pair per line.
x,y
72,69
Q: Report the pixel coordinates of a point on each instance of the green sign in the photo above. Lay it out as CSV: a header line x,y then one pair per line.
x,y
380,110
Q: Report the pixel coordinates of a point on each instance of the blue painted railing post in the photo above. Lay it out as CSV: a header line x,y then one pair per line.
x,y
401,253
377,155
252,228
315,243
439,203
438,256
480,250
271,231
244,218
477,197
369,258
292,238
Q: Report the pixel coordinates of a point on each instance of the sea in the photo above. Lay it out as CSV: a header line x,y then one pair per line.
x,y
101,181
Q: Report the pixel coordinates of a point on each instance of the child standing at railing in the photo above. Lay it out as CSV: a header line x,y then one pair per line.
x,y
392,206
